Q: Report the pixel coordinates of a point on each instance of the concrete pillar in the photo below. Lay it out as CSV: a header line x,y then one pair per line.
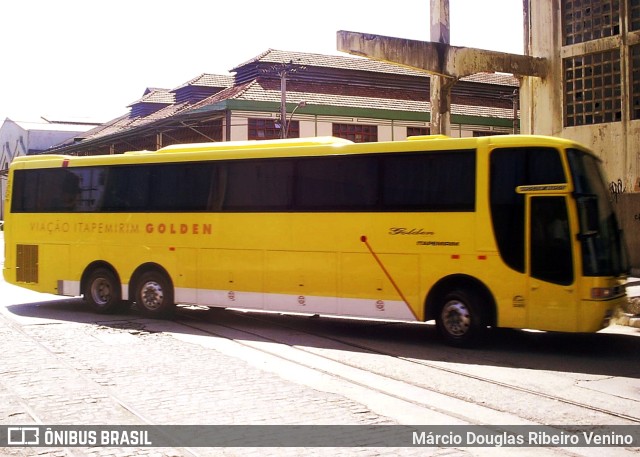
x,y
440,26
441,104
440,85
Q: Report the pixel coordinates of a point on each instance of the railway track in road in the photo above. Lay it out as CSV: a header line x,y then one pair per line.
x,y
380,371
513,387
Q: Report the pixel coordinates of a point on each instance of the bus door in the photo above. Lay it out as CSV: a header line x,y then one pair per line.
x,y
551,267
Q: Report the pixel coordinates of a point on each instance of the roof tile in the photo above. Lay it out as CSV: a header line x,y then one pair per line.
x,y
364,64
208,80
153,95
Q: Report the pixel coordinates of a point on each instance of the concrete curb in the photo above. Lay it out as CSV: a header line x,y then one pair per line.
x,y
630,320
628,316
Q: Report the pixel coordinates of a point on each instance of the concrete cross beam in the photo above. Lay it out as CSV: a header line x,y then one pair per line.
x,y
439,58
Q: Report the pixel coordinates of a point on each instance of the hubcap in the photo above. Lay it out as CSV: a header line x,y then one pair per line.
x,y
456,318
152,295
101,291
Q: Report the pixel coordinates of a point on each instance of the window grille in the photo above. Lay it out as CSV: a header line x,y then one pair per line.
x,y
593,91
268,129
357,133
634,15
634,81
417,131
586,20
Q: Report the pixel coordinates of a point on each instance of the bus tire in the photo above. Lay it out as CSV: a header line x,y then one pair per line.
x,y
461,319
102,291
154,294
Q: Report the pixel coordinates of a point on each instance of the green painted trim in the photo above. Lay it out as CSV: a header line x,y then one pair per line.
x,y
324,110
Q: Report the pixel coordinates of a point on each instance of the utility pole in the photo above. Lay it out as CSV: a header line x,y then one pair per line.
x,y
283,102
516,104
283,70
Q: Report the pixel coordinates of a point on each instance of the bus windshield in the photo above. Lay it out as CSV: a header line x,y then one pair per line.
x,y
603,250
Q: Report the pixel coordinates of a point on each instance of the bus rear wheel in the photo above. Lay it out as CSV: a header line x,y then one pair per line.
x,y
103,291
154,294
461,319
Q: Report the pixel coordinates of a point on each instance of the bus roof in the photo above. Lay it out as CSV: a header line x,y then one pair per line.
x,y
314,146
255,144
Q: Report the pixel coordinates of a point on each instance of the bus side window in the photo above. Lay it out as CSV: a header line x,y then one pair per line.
x,y
69,194
127,189
434,181
337,183
217,188
255,185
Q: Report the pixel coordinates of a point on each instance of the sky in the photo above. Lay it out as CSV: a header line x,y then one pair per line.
x,y
81,59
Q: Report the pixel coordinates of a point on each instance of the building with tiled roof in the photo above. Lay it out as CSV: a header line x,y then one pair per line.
x,y
152,100
350,97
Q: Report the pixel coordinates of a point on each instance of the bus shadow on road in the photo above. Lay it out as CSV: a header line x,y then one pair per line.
x,y
61,309
608,353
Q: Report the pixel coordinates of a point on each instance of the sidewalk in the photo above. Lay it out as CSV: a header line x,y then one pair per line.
x,y
631,316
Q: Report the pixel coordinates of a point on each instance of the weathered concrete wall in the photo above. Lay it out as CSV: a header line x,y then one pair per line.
x,y
542,99
628,208
618,145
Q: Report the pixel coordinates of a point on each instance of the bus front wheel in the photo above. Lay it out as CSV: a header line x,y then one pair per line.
x,y
461,319
154,294
102,291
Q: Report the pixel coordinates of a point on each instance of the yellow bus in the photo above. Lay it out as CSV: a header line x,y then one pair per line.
x,y
474,233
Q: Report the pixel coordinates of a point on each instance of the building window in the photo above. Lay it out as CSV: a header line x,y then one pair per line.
x,y
585,20
268,129
357,133
593,91
634,63
417,131
634,15
479,133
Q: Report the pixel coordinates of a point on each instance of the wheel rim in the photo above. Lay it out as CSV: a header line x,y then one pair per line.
x,y
456,318
101,291
151,295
